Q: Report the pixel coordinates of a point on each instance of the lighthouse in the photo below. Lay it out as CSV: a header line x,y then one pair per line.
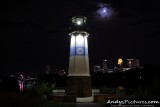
x,y
78,79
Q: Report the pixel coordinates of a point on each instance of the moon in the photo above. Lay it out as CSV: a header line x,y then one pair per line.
x,y
104,11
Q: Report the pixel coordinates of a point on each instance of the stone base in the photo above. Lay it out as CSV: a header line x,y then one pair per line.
x,y
79,86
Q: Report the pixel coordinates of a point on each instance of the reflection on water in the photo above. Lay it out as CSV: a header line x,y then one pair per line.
x,y
21,85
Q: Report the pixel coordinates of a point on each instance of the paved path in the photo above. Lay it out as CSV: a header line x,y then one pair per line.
x,y
87,105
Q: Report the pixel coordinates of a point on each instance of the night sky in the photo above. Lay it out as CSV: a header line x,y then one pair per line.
x,y
35,32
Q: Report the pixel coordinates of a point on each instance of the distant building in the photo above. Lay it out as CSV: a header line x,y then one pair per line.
x,y
101,68
104,66
48,69
62,72
119,66
132,63
120,61
96,68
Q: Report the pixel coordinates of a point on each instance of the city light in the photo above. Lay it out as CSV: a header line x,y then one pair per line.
x,y
120,61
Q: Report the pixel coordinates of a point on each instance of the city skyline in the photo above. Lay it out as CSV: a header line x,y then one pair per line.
x,y
36,33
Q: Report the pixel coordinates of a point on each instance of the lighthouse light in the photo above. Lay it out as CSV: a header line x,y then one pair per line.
x,y
79,22
79,39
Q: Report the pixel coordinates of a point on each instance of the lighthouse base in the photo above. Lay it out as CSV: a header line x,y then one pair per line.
x,y
80,86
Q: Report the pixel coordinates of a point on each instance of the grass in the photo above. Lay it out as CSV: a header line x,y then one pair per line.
x,y
102,104
13,99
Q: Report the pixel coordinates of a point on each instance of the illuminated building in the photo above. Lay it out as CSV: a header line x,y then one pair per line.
x,y
96,68
120,61
104,66
133,63
78,79
119,67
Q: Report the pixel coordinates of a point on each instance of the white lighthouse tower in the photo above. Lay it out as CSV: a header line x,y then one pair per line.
x,y
78,80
